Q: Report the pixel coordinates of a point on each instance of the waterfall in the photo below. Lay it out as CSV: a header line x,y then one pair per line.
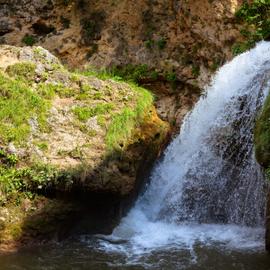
x,y
208,184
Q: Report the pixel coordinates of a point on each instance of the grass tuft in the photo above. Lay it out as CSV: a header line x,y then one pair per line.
x,y
124,123
18,104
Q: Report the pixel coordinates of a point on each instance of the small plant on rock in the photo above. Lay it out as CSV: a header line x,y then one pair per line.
x,y
29,40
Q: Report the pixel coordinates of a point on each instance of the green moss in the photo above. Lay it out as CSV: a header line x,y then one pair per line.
x,y
85,112
43,146
23,71
130,73
49,90
195,71
262,135
18,104
241,47
257,16
16,181
171,77
149,44
101,120
29,40
124,123
161,43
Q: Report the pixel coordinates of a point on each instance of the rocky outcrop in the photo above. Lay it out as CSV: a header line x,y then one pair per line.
x,y
180,42
84,143
262,150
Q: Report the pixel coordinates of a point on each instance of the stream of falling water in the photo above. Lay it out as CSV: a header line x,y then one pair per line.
x,y
208,189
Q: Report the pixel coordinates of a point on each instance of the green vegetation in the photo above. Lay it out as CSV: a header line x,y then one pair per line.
x,y
257,17
84,113
161,43
262,136
23,71
131,73
18,104
16,182
121,109
47,146
49,90
29,40
195,71
123,124
151,44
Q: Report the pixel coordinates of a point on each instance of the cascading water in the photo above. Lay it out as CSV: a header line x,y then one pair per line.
x,y
208,186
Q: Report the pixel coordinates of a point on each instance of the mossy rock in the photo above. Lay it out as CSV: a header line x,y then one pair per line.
x,y
62,131
262,135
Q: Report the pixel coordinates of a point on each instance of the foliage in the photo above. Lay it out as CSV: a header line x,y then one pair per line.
x,y
85,112
196,71
124,123
134,73
171,77
257,15
18,104
161,43
149,44
14,181
241,47
131,73
23,71
29,40
262,136
17,180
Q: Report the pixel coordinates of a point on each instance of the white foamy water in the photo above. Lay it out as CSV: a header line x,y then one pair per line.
x,y
208,188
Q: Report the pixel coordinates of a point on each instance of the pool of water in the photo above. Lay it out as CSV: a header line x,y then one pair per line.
x,y
102,253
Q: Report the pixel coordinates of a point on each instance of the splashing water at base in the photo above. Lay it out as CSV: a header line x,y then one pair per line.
x,y
208,189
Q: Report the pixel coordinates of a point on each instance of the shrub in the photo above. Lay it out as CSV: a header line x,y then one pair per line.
x,y
161,43
29,40
257,17
149,44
